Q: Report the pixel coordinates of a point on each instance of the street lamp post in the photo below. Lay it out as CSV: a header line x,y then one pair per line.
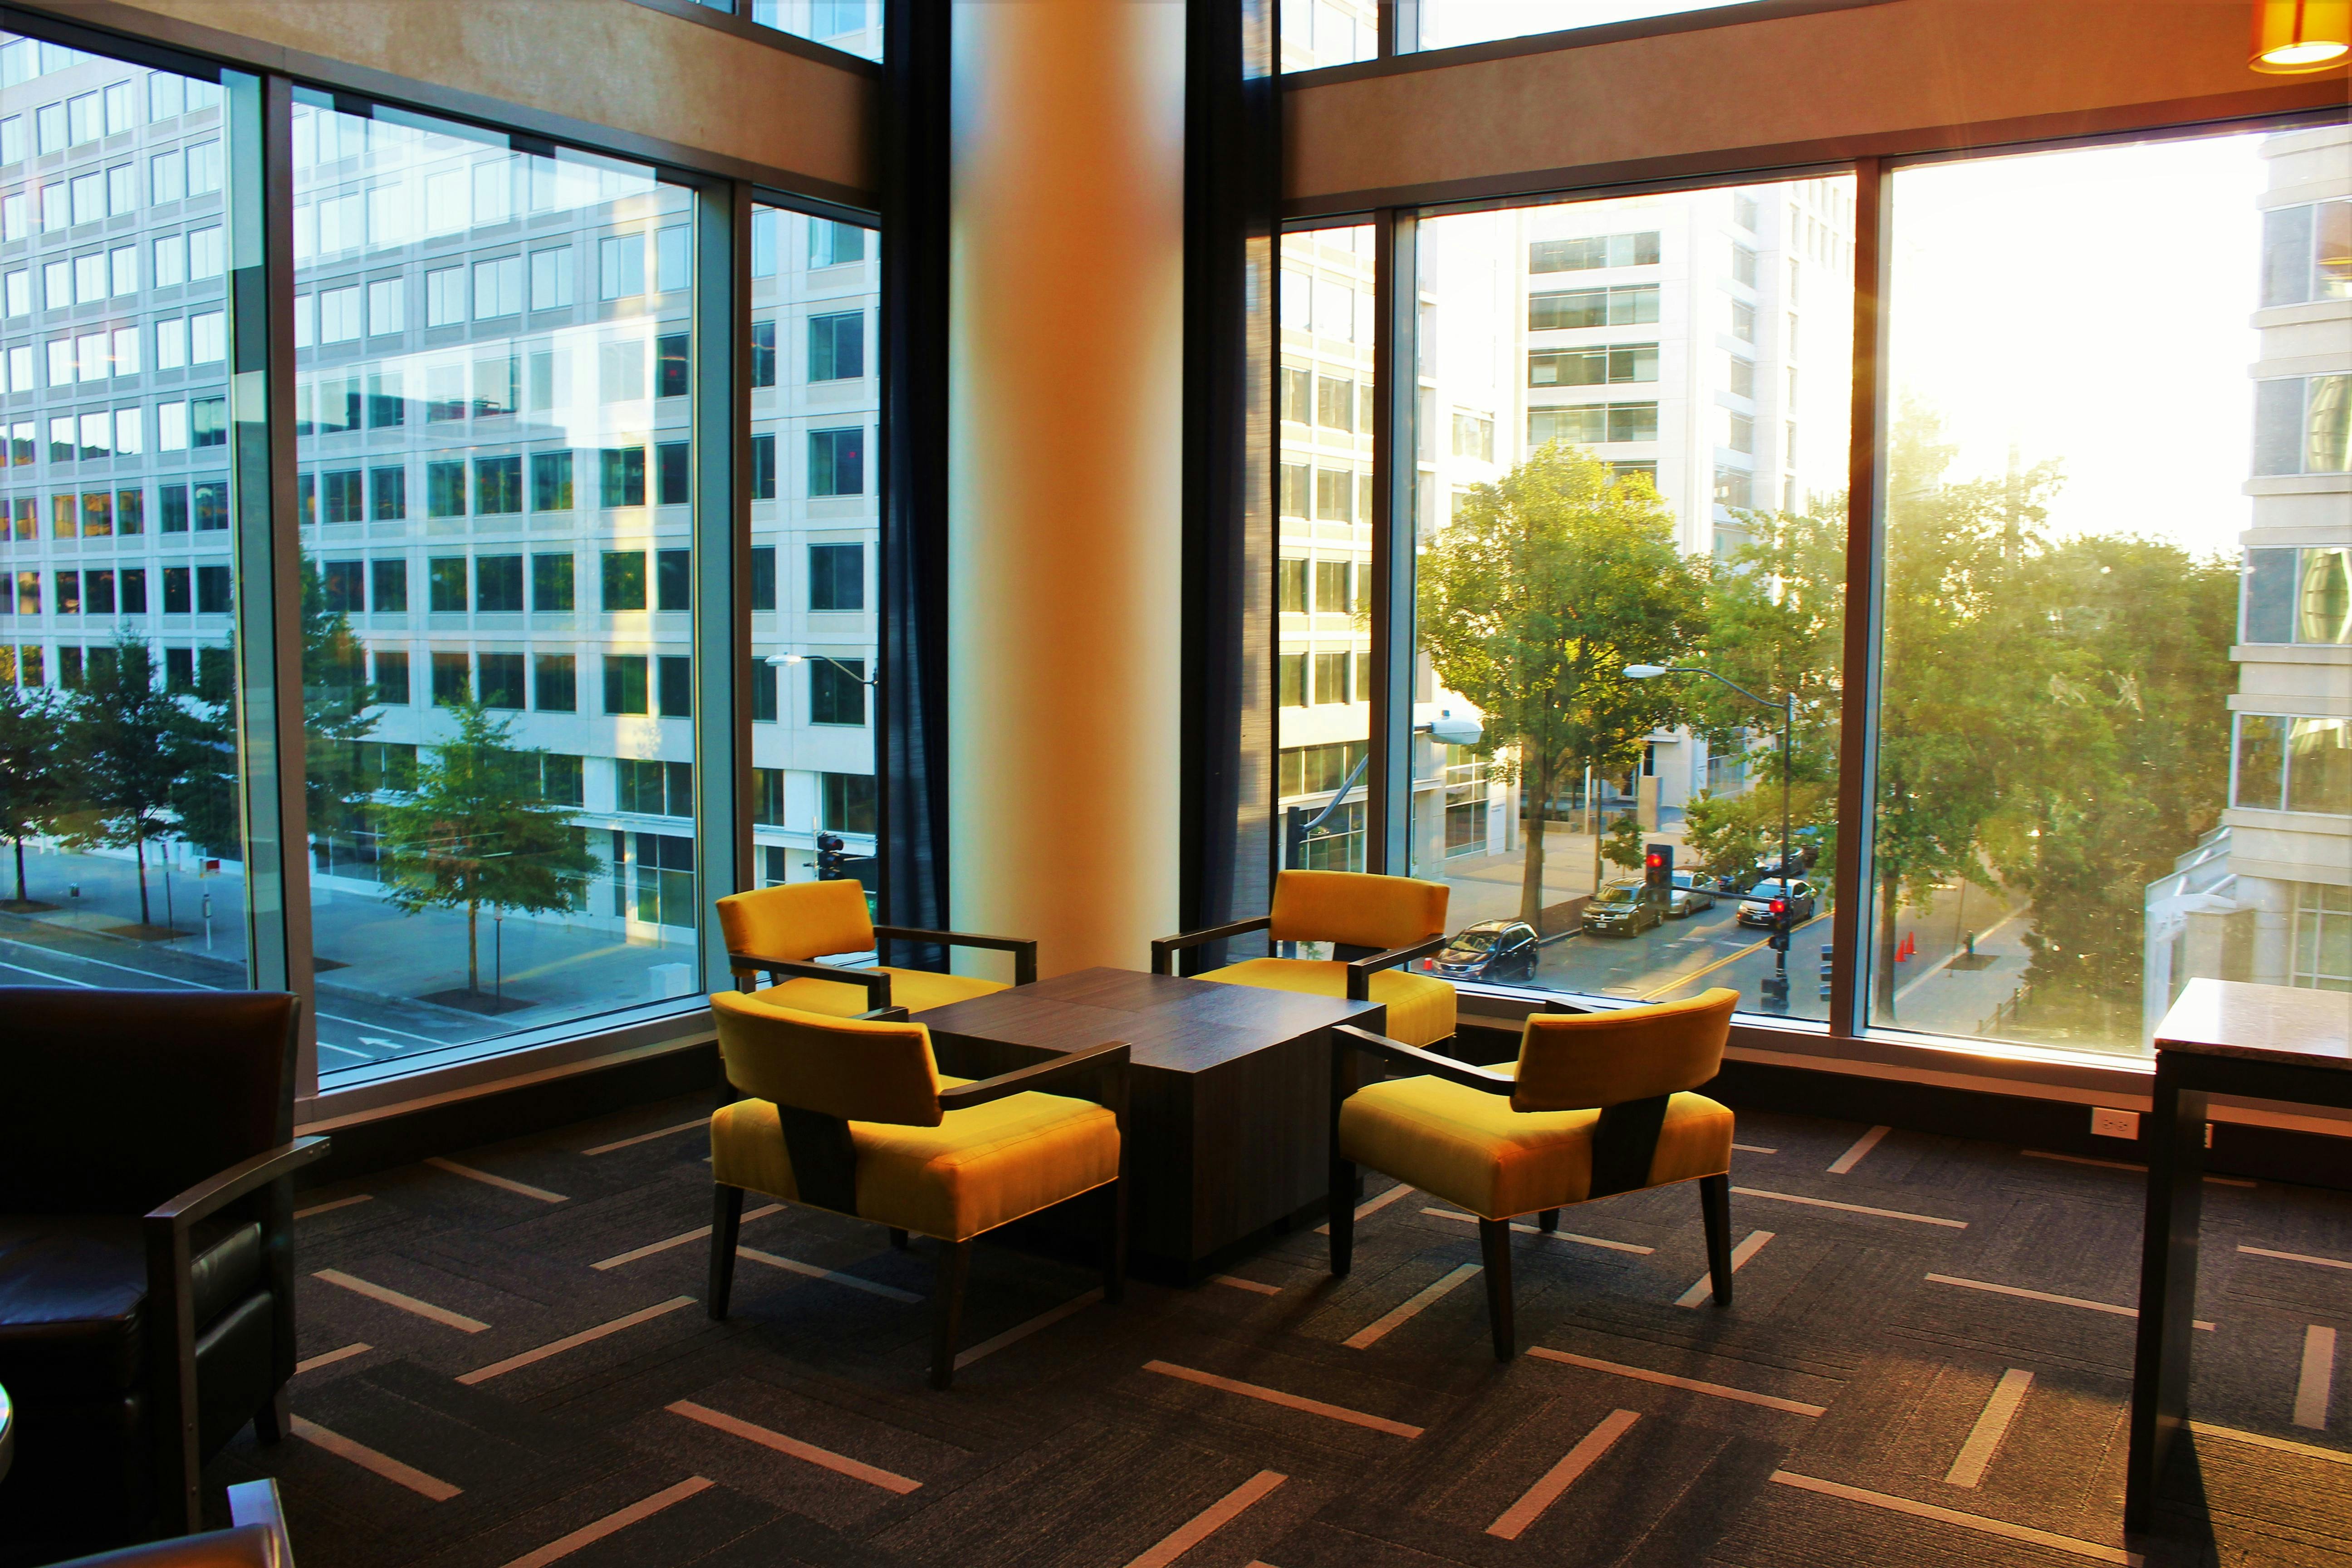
x,y
1787,707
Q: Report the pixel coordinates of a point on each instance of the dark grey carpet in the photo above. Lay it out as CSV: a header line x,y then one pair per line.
x,y
1065,1446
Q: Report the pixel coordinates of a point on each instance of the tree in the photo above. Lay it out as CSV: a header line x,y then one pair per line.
x,y
32,773
1623,846
1545,586
478,830
336,702
128,744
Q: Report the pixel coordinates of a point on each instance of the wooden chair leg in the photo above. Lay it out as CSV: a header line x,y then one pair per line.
x,y
726,1225
1115,1246
897,1238
947,1310
275,1418
1548,1221
1343,1215
1714,1204
1495,1248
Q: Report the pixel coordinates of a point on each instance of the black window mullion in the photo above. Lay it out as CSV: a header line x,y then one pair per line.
x,y
1389,798
721,426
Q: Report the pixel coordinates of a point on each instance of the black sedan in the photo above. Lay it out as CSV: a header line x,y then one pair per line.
x,y
1756,907
1490,950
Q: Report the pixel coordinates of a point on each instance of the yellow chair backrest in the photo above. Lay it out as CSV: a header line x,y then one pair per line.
x,y
1580,1061
850,1067
798,921
1355,908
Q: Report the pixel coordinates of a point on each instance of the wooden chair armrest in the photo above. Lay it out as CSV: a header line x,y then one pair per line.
x,y
214,1193
1105,1060
1360,969
1484,1079
1023,949
876,984
1168,947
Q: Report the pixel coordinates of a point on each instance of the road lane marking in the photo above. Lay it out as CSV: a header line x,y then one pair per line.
x,y
1514,1520
1992,1426
392,1298
1372,1332
1677,983
1689,1385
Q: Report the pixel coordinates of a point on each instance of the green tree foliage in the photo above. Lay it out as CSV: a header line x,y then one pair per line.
x,y
32,766
1546,584
477,831
336,716
1623,846
129,745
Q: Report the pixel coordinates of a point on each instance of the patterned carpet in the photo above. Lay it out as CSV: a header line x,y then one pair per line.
x,y
510,1366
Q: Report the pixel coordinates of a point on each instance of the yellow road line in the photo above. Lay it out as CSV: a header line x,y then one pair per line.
x,y
1678,983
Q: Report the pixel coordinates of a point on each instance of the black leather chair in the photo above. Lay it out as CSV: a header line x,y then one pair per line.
x,y
146,1250
255,1537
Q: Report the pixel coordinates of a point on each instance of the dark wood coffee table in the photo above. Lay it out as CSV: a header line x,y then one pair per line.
x,y
2223,1036
1228,1124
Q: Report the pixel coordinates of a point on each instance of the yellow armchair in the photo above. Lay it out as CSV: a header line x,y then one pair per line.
x,y
1597,1104
1373,923
781,931
853,1115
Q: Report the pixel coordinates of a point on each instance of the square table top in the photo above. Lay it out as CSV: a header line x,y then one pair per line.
x,y
2293,1025
1168,1021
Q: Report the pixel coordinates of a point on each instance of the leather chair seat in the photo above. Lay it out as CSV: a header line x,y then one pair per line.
x,y
1421,1008
913,989
1472,1149
977,1169
72,1293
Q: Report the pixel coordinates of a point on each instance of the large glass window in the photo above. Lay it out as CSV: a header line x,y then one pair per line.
x,y
1324,548
487,857
854,26
1645,470
1445,23
1328,33
119,628
2077,598
815,526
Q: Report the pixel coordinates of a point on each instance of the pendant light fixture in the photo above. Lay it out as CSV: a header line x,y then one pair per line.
x,y
2292,36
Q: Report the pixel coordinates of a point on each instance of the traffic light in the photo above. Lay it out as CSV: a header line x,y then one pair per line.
x,y
1658,866
1780,912
1779,940
1774,986
828,858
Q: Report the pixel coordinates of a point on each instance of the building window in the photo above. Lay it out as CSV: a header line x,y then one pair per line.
x,y
624,683
2302,425
1290,680
836,691
763,353
452,679
837,462
445,579
2321,940
1599,251
392,687
674,686
497,584
556,683
1296,392
846,800
673,580
622,477
1630,305
624,581
501,679
837,578
1290,585
1335,403
673,459
551,583
673,372
836,349
1592,368
763,577
1593,423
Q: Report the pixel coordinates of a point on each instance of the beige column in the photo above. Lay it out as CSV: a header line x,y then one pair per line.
x,y
1066,293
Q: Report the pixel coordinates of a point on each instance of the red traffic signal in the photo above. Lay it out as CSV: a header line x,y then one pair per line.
x,y
1658,866
1779,910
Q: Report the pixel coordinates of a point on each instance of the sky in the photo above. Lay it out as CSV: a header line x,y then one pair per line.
x,y
2090,306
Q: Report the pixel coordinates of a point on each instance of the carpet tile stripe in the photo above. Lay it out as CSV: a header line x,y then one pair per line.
x,y
840,1464
647,1137
2317,1378
328,1359
1851,1208
2296,1257
682,1237
568,1342
333,1204
1018,1331
1976,1455
2256,1439
2025,1295
1861,1148
406,1303
1704,1291
1555,1235
1404,1311
610,1524
1694,1385
1370,1206
503,1182
1238,1283
1513,1521
1210,1520
1974,1522
1288,1401
833,1276
367,1458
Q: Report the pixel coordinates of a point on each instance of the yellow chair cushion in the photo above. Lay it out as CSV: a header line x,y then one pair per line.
x,y
913,989
1357,909
1421,1007
979,1168
1471,1148
799,920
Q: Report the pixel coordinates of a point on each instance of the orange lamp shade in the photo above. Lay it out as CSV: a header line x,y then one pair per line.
x,y
2292,36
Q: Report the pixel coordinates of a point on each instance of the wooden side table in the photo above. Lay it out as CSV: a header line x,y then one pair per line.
x,y
2223,1036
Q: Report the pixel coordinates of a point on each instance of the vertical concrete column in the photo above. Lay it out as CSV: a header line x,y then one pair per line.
x,y
1065,526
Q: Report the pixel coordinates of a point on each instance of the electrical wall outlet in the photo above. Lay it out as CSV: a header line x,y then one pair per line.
x,y
2107,1123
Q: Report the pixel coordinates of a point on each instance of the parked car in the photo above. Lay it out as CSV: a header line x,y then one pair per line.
x,y
1692,891
1490,950
1756,904
1625,909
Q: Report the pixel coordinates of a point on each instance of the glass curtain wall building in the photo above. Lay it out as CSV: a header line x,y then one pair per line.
x,y
120,640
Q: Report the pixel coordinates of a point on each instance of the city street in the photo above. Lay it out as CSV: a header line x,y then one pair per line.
x,y
377,966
